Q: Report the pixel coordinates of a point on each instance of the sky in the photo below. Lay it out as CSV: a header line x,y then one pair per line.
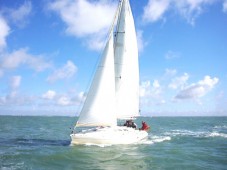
x,y
49,50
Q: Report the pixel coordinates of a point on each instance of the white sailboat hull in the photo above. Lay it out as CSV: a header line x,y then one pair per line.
x,y
109,136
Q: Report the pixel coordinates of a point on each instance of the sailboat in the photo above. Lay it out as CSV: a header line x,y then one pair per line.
x,y
114,91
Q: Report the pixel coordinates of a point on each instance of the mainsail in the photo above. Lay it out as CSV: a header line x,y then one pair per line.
x,y
126,65
114,92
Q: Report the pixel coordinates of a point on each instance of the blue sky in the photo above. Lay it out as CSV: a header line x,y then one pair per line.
x,y
49,50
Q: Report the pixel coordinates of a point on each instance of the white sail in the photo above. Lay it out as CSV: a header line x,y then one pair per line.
x,y
126,65
99,106
114,92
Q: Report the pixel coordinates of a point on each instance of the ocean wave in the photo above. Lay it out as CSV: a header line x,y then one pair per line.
x,y
198,134
183,133
99,145
223,127
155,139
158,139
216,134
7,166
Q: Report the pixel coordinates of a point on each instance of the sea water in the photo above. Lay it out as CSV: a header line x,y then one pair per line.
x,y
30,142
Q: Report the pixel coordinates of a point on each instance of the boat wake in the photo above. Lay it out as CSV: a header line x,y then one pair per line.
x,y
155,139
197,134
216,134
99,145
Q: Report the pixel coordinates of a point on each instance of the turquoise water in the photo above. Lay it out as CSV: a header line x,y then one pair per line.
x,y
173,143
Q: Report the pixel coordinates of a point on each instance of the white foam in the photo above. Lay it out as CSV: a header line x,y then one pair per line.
x,y
155,139
182,133
99,145
147,142
19,165
161,139
195,133
220,127
216,134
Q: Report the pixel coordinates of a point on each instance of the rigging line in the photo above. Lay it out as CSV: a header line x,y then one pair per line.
x,y
118,14
118,22
110,32
78,110
115,18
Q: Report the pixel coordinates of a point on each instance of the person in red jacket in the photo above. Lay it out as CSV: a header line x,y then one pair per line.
x,y
144,126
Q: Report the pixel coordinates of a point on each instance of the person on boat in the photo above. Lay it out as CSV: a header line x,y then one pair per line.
x,y
134,125
126,123
130,123
144,126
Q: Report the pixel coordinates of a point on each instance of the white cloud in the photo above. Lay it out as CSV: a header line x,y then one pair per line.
x,y
140,40
1,73
22,57
188,9
151,94
19,16
96,41
15,82
225,6
170,72
64,101
50,94
13,96
156,84
150,90
67,71
81,96
68,99
86,18
172,55
155,10
179,82
197,90
221,101
16,99
144,88
77,99
4,32
191,9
